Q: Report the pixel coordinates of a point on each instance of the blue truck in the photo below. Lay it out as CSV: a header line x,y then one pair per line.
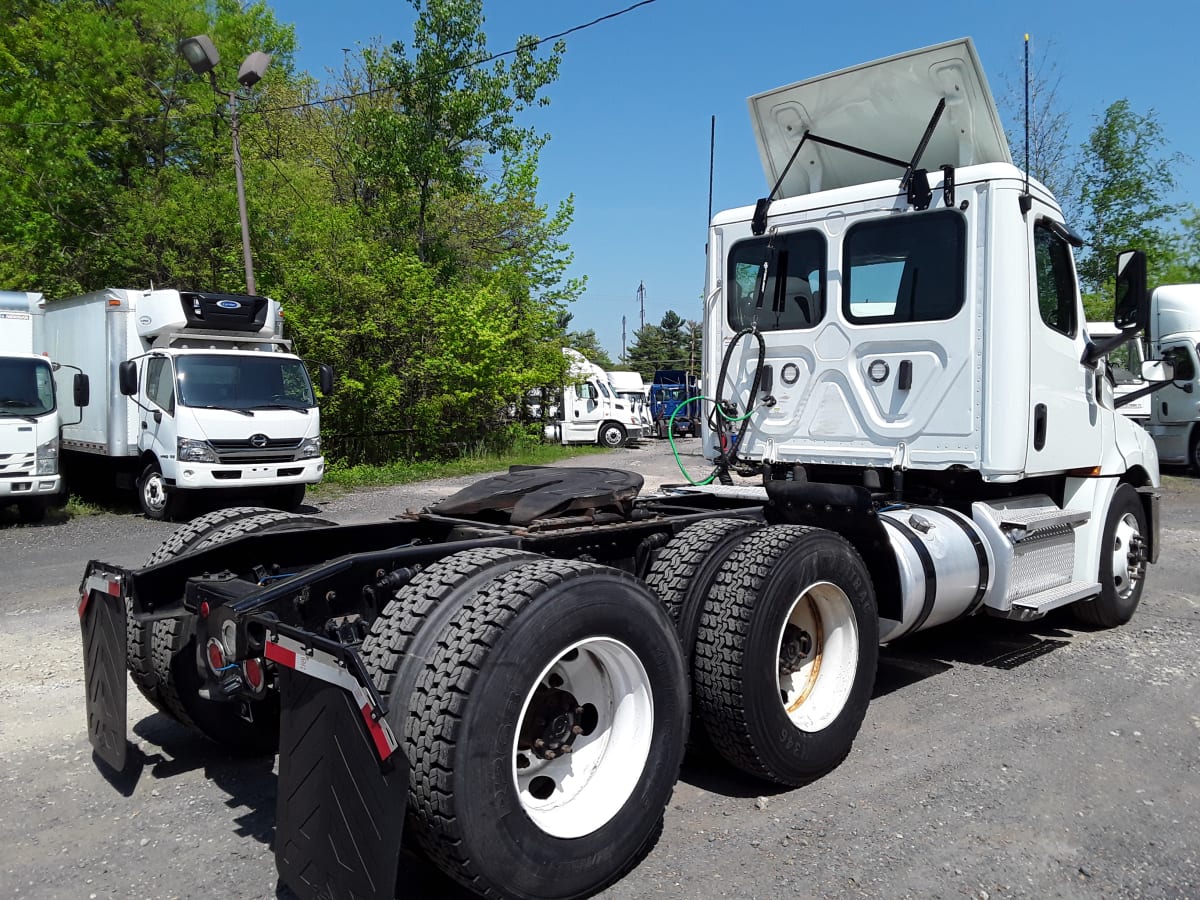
x,y
671,389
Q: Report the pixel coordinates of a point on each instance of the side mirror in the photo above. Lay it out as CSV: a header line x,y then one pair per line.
x,y
82,388
325,378
127,377
1158,370
1132,307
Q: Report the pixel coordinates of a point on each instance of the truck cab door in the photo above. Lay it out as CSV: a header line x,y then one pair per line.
x,y
1173,404
580,402
157,432
1066,421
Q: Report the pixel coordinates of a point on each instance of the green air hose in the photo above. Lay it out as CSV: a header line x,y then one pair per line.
x,y
675,450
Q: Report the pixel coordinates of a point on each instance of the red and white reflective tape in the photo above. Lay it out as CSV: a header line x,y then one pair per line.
x,y
323,666
105,584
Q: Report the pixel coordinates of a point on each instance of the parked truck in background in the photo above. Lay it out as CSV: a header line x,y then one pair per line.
x,y
673,396
30,418
629,387
590,412
195,393
1171,415
935,440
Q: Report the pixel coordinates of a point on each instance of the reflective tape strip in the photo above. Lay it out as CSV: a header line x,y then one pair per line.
x,y
324,667
102,583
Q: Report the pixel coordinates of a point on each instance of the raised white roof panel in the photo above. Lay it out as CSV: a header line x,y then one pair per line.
x,y
882,106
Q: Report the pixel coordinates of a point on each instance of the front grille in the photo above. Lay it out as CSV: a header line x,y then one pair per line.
x,y
243,452
17,465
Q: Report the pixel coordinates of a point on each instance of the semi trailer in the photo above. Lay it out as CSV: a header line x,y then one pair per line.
x,y
510,676
196,393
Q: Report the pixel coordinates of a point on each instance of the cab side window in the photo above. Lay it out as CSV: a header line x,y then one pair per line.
x,y
1055,281
160,383
1181,359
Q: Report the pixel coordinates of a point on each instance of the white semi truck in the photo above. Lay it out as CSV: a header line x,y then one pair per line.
x,y
1171,414
899,356
195,392
30,417
628,386
590,411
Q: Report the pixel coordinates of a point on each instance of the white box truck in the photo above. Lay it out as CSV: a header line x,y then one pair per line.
x,y
195,392
30,421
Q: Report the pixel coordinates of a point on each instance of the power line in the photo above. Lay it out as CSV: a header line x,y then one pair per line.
x,y
324,101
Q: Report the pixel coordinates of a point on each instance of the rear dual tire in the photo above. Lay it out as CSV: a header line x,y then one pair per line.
x,y
526,657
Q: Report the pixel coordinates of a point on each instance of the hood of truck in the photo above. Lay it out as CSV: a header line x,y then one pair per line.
x,y
225,425
884,107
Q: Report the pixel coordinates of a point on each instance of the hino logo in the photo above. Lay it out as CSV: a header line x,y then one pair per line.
x,y
258,440
229,304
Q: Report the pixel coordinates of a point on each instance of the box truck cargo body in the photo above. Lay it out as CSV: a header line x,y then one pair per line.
x,y
195,392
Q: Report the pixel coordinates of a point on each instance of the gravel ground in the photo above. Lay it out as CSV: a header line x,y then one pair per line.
x,y
1073,774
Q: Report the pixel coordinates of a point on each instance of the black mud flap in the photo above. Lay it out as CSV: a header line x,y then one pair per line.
x,y
102,619
340,812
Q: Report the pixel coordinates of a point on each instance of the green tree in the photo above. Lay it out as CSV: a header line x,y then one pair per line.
x,y
1125,175
588,344
1185,267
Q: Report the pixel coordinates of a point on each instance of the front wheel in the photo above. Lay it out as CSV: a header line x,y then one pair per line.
x,y
612,435
551,717
32,511
786,653
1123,558
156,499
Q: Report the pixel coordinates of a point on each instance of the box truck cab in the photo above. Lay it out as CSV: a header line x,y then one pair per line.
x,y
30,422
197,394
628,386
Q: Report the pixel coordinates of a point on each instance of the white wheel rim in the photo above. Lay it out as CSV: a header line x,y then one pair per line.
x,y
1126,562
154,492
816,656
571,794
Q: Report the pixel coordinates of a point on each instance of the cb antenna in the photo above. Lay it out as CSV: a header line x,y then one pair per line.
x,y
1026,200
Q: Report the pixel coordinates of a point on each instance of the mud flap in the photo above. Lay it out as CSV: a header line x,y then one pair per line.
x,y
102,619
340,812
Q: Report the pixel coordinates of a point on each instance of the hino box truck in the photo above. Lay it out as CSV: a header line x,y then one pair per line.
x,y
896,357
196,392
30,421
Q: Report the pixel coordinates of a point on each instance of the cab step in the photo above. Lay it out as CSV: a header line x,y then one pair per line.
x,y
1037,605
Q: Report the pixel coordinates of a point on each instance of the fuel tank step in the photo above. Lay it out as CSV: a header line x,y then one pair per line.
x,y
1037,605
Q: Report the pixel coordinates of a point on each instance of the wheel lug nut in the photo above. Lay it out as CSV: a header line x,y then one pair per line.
x,y
579,710
550,754
576,729
567,749
539,743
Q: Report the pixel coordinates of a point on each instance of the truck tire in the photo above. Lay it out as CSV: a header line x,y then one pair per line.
x,y
138,635
1194,450
553,654
786,653
686,567
32,511
611,435
173,657
288,498
1122,564
157,501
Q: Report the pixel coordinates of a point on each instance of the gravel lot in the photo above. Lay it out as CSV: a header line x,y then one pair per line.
x,y
1075,773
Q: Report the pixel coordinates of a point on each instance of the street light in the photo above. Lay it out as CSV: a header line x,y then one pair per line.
x,y
201,54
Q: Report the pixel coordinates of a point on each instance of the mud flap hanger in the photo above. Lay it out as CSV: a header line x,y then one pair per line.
x,y
914,182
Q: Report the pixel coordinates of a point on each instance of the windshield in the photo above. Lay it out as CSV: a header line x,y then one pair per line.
x,y
26,387
243,382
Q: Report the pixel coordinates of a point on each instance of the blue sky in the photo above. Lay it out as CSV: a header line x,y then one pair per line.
x,y
630,112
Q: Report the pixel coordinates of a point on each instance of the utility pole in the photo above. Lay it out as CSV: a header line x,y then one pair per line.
x,y
624,353
641,295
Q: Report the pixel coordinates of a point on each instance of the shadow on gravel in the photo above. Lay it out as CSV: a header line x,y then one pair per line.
x,y
249,781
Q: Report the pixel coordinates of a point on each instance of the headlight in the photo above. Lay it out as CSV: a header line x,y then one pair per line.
x,y
196,451
310,448
47,458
